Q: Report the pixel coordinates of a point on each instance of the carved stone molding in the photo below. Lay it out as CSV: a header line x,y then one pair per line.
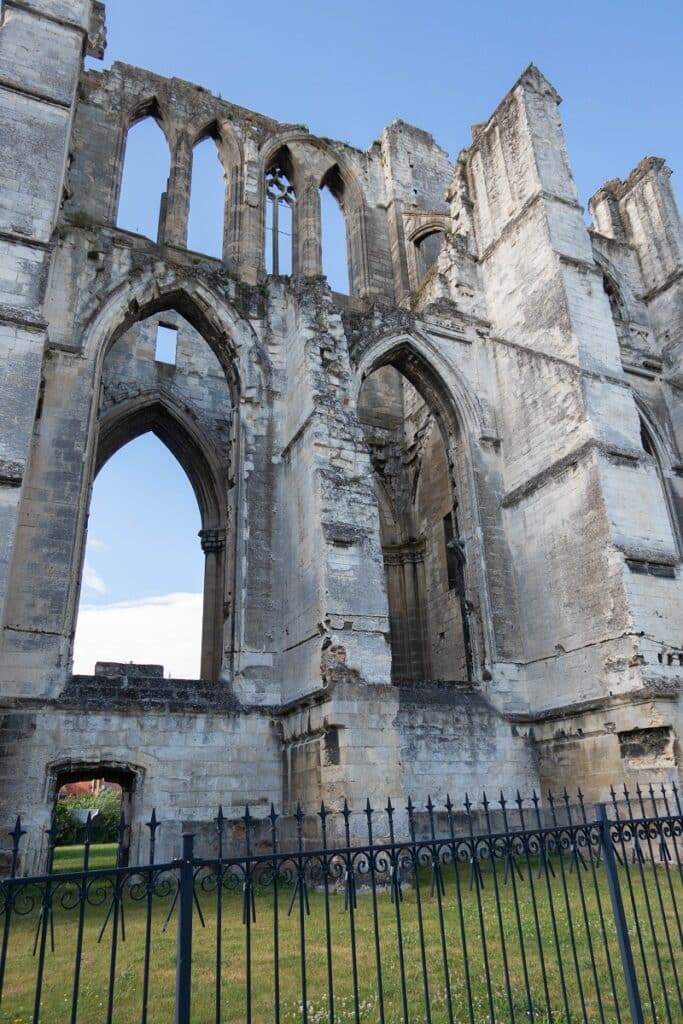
x,y
212,541
402,554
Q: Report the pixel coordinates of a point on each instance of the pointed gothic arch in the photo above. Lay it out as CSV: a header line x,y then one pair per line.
x,y
156,413
205,309
214,477
655,446
147,110
457,416
311,164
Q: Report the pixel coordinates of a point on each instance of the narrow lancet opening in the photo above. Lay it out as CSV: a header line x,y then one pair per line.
x,y
145,178
334,243
427,250
207,200
280,203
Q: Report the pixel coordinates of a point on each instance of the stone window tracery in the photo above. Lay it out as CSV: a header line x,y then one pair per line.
x,y
280,202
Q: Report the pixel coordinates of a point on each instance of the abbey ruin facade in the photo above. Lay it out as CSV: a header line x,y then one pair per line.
x,y
441,515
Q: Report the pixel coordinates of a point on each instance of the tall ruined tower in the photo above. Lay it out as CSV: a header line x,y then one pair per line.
x,y
441,515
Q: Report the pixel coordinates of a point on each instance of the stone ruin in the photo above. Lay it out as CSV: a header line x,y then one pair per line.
x,y
441,515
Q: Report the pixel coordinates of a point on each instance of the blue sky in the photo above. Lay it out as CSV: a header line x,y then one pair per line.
x,y
347,70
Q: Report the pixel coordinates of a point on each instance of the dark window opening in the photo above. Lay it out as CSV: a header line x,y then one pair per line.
x,y
646,440
615,301
452,553
427,251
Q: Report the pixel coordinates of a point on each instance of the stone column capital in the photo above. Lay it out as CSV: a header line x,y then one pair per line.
x,y
212,541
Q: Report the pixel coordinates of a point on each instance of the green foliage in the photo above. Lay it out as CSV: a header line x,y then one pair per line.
x,y
105,825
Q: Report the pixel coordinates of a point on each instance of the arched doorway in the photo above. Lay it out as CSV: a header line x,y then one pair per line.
x,y
183,396
106,791
418,500
141,594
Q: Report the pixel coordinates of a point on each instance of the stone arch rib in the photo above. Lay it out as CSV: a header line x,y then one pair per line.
x,y
157,414
460,419
438,381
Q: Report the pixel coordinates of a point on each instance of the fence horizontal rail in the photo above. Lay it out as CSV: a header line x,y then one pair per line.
x,y
549,910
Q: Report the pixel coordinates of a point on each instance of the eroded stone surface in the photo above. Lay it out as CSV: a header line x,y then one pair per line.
x,y
441,515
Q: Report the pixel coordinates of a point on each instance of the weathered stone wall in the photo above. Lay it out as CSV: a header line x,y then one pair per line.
x,y
527,385
202,756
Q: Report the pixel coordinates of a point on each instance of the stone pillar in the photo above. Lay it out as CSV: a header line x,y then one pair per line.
x,y
213,546
309,229
406,588
37,97
398,627
173,229
251,253
642,213
560,380
585,517
333,573
232,218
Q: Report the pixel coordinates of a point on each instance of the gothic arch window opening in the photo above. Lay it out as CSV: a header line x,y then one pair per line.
x,y
137,603
144,179
423,552
653,447
613,293
141,395
280,203
427,249
206,218
334,233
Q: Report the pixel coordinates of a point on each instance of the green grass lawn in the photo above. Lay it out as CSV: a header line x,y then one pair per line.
x,y
503,932
70,858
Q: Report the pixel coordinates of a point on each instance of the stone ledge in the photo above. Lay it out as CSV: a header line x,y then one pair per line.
x,y
659,689
153,692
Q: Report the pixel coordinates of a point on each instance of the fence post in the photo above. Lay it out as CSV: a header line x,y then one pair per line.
x,y
183,985
619,917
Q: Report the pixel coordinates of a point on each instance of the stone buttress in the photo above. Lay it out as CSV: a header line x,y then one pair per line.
x,y
441,516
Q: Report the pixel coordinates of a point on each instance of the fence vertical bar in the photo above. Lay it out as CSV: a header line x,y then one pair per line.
x,y
152,825
15,835
276,910
634,1003
219,822
183,987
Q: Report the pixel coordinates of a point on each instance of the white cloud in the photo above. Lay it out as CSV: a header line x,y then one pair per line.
x,y
96,544
93,580
163,630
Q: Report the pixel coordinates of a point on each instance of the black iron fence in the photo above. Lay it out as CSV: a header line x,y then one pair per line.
x,y
511,911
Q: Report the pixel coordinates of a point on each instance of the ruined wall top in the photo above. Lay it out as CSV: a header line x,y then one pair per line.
x,y
400,197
